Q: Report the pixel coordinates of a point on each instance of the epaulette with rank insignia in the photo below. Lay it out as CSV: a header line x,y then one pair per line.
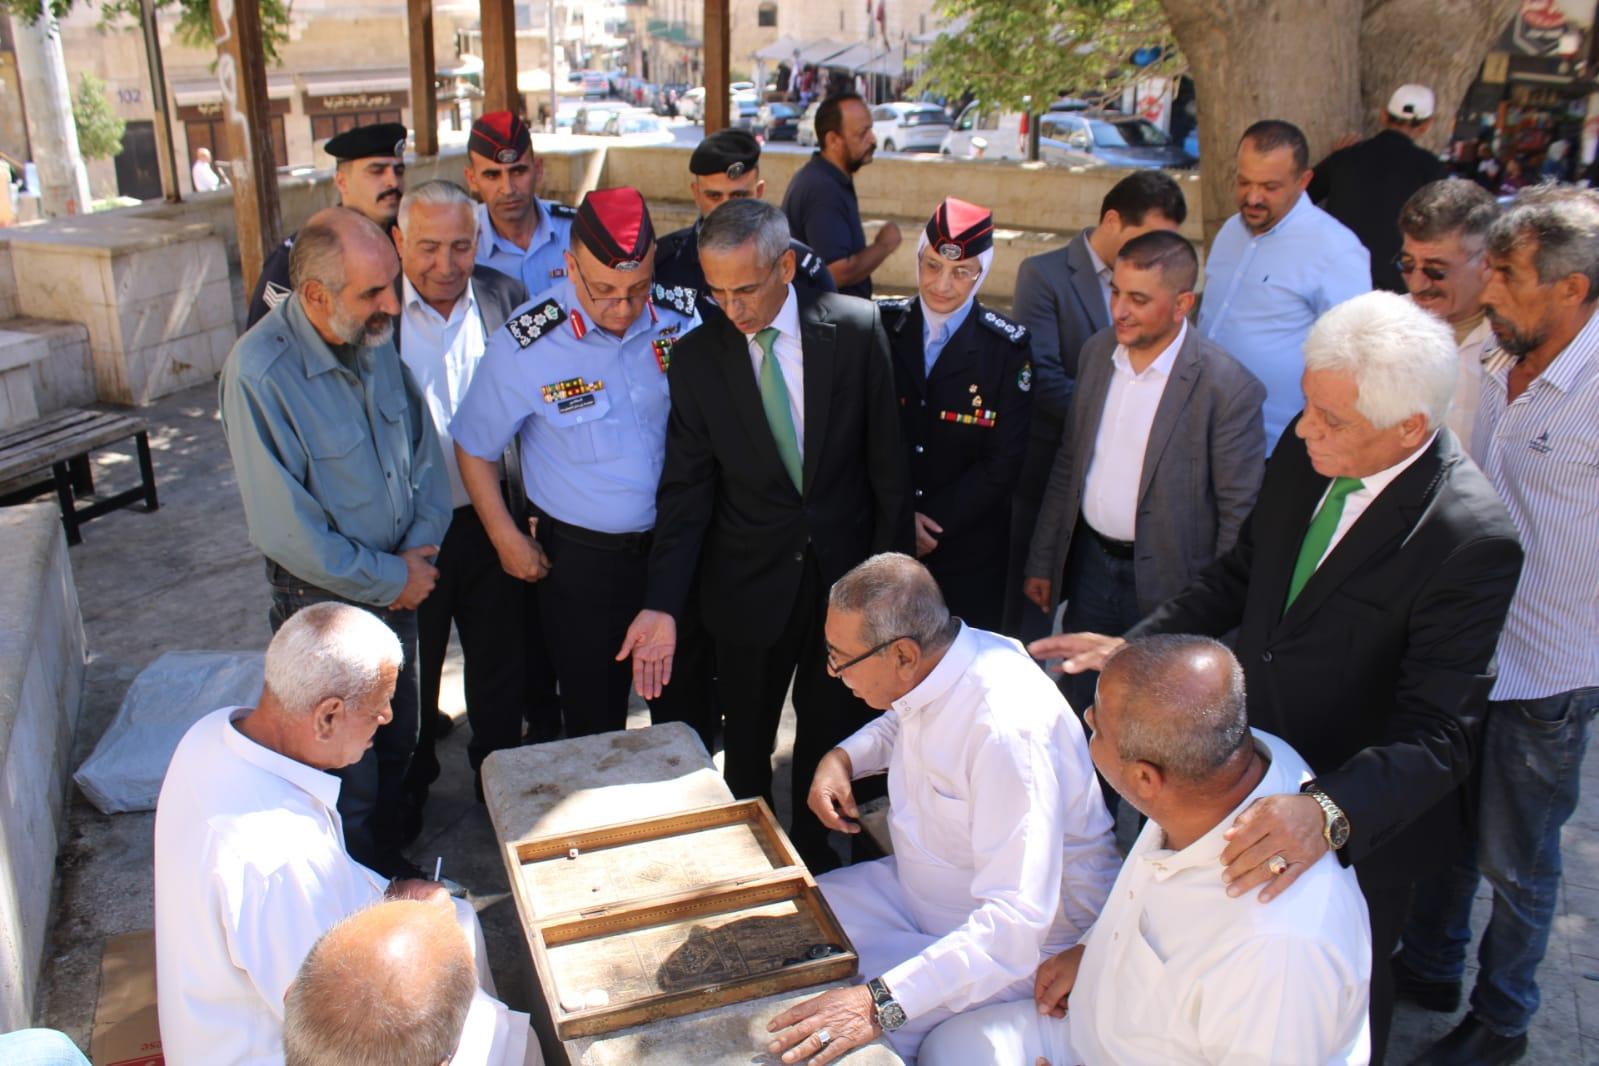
x,y
559,210
534,323
811,265
1014,332
680,298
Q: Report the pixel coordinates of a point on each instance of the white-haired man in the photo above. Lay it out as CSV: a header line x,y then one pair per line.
x,y
395,984
1003,851
1176,971
1368,587
250,865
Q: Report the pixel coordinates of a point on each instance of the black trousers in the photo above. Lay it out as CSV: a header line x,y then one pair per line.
x,y
690,697
592,593
1388,892
751,683
372,793
489,609
1021,619
541,704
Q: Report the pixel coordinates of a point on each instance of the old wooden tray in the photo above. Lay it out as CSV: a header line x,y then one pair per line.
x,y
668,916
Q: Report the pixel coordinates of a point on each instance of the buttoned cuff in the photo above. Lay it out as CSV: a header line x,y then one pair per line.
x,y
915,986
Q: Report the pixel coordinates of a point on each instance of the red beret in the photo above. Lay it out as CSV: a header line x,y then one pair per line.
x,y
615,225
501,136
959,230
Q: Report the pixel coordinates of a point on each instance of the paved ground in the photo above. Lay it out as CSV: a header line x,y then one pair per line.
x,y
185,578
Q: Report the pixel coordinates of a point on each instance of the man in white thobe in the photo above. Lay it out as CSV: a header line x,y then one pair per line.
x,y
250,864
1003,850
1176,971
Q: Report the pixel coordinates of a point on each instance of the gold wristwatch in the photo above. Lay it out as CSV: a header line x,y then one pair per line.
x,y
1336,827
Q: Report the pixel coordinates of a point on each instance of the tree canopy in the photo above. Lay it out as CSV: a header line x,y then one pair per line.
x,y
1009,50
100,128
194,28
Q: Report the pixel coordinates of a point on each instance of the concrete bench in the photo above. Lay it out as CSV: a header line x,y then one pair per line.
x,y
53,452
587,782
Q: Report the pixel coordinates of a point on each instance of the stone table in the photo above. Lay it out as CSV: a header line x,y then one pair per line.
x,y
569,785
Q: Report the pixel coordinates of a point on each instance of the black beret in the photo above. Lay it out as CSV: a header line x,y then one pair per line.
x,y
380,138
731,152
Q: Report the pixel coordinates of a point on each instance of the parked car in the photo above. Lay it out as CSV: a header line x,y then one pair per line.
x,y
741,114
985,132
566,116
1107,138
592,117
691,104
741,87
666,97
904,126
805,128
638,127
596,86
777,121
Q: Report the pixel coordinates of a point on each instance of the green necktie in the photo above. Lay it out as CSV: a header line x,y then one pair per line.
x,y
1320,534
774,400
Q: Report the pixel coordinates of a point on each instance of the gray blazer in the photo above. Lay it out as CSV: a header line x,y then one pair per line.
x,y
497,296
1059,300
1202,467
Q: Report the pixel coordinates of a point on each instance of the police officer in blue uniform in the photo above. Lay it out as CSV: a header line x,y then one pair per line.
x,y
726,166
518,234
370,177
963,376
577,376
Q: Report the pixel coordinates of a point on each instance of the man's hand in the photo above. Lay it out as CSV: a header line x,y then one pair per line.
x,y
1054,981
420,577
925,528
1288,825
522,557
650,640
832,798
1078,652
417,889
1039,592
889,236
846,1014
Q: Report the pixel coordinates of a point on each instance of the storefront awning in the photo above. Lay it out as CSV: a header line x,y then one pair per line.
x,y
209,91
850,59
816,51
328,83
888,64
780,51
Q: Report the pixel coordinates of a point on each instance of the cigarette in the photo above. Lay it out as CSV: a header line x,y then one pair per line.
x,y
438,867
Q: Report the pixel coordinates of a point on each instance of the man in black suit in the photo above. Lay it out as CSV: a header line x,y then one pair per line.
x,y
1368,588
449,307
1063,298
784,464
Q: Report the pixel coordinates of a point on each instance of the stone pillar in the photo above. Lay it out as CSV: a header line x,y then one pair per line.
x,y
47,99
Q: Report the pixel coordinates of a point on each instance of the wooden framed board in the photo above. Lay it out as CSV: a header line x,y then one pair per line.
x,y
668,916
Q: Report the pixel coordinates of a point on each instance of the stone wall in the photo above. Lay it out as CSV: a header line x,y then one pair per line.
x,y
41,689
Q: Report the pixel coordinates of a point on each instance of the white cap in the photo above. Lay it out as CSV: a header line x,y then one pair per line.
x,y
1415,103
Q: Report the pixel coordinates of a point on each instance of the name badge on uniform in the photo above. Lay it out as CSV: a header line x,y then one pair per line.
x,y
558,272
559,391
575,403
986,419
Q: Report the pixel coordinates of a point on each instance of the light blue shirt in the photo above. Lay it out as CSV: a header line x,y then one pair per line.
x,y
542,264
587,407
936,335
1263,293
336,456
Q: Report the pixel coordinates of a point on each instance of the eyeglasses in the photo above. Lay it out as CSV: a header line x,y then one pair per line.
x,y
963,273
744,292
632,296
1406,265
839,668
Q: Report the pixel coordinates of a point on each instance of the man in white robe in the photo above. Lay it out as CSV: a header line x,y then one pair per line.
x,y
1003,850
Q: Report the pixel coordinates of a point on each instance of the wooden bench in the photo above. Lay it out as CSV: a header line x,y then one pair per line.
x,y
53,452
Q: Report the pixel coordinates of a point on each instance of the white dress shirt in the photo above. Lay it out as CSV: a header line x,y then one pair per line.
x,y
1102,271
1110,490
250,869
1356,503
205,178
790,360
495,1035
1176,972
1002,841
442,354
1479,354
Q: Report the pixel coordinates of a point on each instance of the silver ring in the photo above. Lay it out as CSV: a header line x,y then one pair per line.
x,y
1276,864
824,1036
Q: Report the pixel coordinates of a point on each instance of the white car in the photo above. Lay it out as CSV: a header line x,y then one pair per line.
x,y
985,133
905,126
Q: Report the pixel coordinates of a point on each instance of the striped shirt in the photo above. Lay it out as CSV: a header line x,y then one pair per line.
x,y
1542,455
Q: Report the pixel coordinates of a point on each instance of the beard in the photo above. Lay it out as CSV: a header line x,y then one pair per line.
x,y
854,163
1517,342
370,332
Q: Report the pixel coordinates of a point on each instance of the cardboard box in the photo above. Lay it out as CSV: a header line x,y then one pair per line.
x,y
126,1030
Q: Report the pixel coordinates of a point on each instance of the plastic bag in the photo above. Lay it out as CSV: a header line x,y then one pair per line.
x,y
125,770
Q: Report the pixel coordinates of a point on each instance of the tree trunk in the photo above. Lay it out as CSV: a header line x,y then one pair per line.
x,y
1254,59
47,96
1437,43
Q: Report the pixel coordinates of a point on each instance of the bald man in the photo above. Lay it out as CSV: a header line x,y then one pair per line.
x,y
396,983
344,485
1175,970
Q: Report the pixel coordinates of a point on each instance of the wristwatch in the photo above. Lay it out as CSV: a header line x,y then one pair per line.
x,y
1336,826
890,1015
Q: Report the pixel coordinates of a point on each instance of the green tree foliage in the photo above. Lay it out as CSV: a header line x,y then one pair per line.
x,y
1008,50
194,29
99,128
